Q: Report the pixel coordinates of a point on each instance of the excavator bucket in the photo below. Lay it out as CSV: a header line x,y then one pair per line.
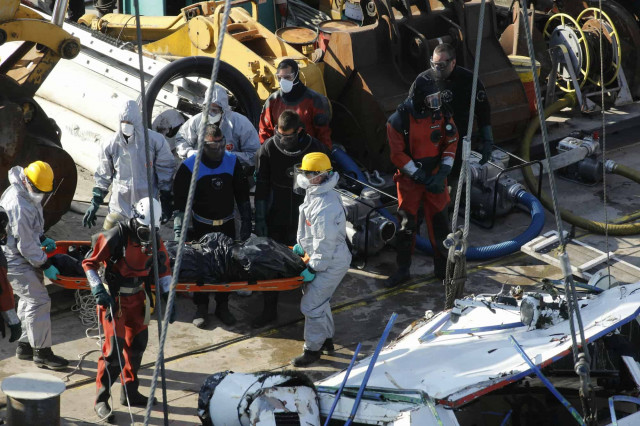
x,y
27,134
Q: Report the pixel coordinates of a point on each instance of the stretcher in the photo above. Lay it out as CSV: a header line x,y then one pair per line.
x,y
279,284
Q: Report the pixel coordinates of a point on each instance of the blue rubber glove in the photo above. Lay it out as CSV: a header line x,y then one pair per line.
x,y
103,298
48,244
89,218
297,249
307,275
51,272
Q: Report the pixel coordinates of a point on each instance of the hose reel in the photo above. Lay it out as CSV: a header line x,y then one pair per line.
x,y
581,38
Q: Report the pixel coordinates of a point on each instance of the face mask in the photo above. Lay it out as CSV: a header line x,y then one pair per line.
x,y
36,197
288,142
286,85
433,101
127,129
302,181
215,118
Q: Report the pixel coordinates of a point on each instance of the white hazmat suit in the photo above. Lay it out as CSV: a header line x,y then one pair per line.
x,y
25,258
121,164
322,232
240,135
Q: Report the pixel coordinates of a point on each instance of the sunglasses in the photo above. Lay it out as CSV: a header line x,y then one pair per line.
x,y
440,65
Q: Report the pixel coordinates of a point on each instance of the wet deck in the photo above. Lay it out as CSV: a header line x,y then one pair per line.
x,y
361,306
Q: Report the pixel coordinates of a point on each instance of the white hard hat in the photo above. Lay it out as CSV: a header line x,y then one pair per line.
x,y
143,211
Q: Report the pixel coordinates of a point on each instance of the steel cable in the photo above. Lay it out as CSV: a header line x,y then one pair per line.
x,y
581,359
190,198
455,273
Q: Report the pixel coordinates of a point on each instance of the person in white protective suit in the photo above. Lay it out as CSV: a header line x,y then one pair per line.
x,y
322,233
25,251
122,165
240,135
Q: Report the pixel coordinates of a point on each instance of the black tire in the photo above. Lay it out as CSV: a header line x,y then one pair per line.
x,y
248,102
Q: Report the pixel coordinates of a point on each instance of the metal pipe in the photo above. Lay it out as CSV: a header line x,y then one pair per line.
x,y
372,364
59,12
344,382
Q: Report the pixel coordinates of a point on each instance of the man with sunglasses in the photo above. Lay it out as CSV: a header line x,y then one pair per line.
x,y
456,84
122,302
311,106
220,183
423,142
240,135
276,203
27,260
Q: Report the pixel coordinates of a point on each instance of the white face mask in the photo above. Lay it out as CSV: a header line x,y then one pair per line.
x,y
286,85
302,181
215,118
127,129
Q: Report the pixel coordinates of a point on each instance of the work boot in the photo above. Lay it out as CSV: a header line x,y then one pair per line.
x,y
440,267
398,277
269,312
307,358
24,351
200,318
136,399
327,347
224,315
103,411
44,358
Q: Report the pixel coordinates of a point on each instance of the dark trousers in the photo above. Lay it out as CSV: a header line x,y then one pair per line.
x,y
200,229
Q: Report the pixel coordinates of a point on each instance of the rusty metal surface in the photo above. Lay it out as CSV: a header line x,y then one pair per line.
x,y
27,135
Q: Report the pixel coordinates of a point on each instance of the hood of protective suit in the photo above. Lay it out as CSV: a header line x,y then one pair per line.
x,y
16,174
220,98
325,186
131,113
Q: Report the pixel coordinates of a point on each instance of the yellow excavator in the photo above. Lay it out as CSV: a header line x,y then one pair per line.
x,y
32,46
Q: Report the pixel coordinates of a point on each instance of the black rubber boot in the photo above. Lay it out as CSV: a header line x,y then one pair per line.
x,y
440,267
136,399
45,358
200,317
404,241
327,347
269,312
104,412
397,278
24,351
307,358
222,309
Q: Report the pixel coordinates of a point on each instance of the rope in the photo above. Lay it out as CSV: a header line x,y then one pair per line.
x,y
189,205
152,213
456,270
581,356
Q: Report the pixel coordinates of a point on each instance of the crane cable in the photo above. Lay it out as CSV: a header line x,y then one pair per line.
x,y
190,198
580,350
456,242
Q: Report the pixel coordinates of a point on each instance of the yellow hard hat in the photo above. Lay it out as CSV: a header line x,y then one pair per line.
x,y
315,162
41,175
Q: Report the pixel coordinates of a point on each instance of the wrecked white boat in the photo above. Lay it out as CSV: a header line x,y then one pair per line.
x,y
443,362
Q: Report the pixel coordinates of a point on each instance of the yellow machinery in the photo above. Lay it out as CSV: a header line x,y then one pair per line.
x,y
26,133
249,47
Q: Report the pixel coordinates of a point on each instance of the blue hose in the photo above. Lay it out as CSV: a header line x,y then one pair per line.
x,y
347,165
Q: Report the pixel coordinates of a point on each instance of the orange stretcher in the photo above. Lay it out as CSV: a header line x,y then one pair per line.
x,y
279,284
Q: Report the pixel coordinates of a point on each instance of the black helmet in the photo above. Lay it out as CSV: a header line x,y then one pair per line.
x,y
425,94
